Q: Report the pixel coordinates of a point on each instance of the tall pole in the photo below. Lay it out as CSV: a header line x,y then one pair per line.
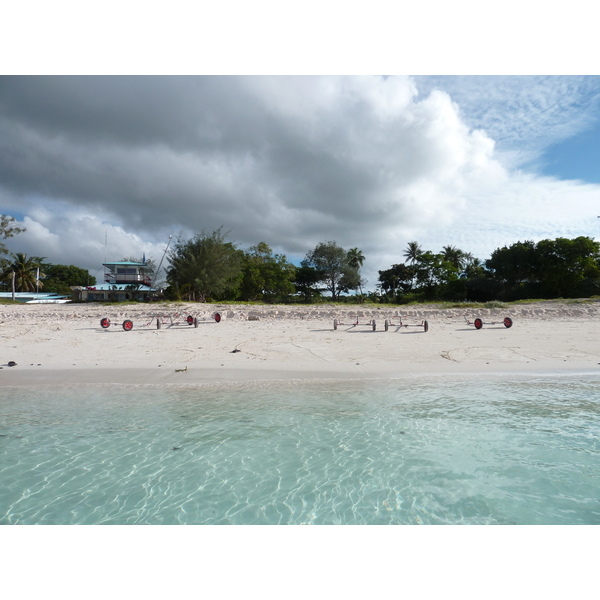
x,y
13,286
160,264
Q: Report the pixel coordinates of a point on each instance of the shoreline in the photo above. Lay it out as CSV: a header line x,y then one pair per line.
x,y
128,377
65,345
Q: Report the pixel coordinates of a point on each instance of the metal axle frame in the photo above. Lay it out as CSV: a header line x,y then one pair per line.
x,y
390,323
479,323
372,323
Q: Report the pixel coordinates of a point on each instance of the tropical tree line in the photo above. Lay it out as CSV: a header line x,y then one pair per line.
x,y
558,268
207,267
31,273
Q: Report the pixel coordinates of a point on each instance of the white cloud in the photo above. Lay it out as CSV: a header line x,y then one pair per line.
x,y
523,114
80,239
37,238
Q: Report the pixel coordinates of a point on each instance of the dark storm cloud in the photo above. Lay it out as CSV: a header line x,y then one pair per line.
x,y
134,111
167,149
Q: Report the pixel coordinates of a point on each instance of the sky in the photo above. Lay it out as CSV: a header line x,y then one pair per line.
x,y
101,167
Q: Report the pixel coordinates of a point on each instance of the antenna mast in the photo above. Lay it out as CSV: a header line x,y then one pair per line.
x,y
161,262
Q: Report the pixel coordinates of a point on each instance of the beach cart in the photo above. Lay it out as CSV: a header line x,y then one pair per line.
x,y
396,321
105,323
189,320
479,323
167,321
355,322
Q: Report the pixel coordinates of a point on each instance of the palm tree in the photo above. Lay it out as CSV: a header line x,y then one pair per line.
x,y
455,256
355,260
25,270
474,267
413,252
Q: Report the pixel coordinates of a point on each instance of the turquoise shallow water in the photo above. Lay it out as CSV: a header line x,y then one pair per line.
x,y
385,452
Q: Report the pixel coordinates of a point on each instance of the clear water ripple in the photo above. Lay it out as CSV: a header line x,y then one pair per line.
x,y
474,452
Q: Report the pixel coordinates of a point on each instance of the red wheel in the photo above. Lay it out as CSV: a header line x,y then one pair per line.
x,y
425,326
507,322
127,325
104,323
478,323
190,320
217,317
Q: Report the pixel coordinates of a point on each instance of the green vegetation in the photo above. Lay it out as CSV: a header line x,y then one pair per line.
x,y
265,276
337,269
474,305
559,268
52,278
207,268
204,266
24,271
59,278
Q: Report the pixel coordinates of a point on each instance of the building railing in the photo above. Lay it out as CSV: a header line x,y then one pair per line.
x,y
110,277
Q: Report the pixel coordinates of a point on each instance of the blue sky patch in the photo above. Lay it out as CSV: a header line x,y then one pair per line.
x,y
575,158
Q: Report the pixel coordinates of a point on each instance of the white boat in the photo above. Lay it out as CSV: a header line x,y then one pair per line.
x,y
36,298
49,301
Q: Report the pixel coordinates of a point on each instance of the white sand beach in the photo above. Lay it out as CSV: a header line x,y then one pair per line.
x,y
53,344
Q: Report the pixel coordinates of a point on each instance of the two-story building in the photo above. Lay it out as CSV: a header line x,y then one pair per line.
x,y
122,281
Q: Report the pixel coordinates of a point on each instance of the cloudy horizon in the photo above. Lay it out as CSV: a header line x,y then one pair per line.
x,y
103,166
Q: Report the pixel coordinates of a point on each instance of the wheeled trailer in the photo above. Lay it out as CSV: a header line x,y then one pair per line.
x,y
127,324
400,323
371,323
168,321
478,323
